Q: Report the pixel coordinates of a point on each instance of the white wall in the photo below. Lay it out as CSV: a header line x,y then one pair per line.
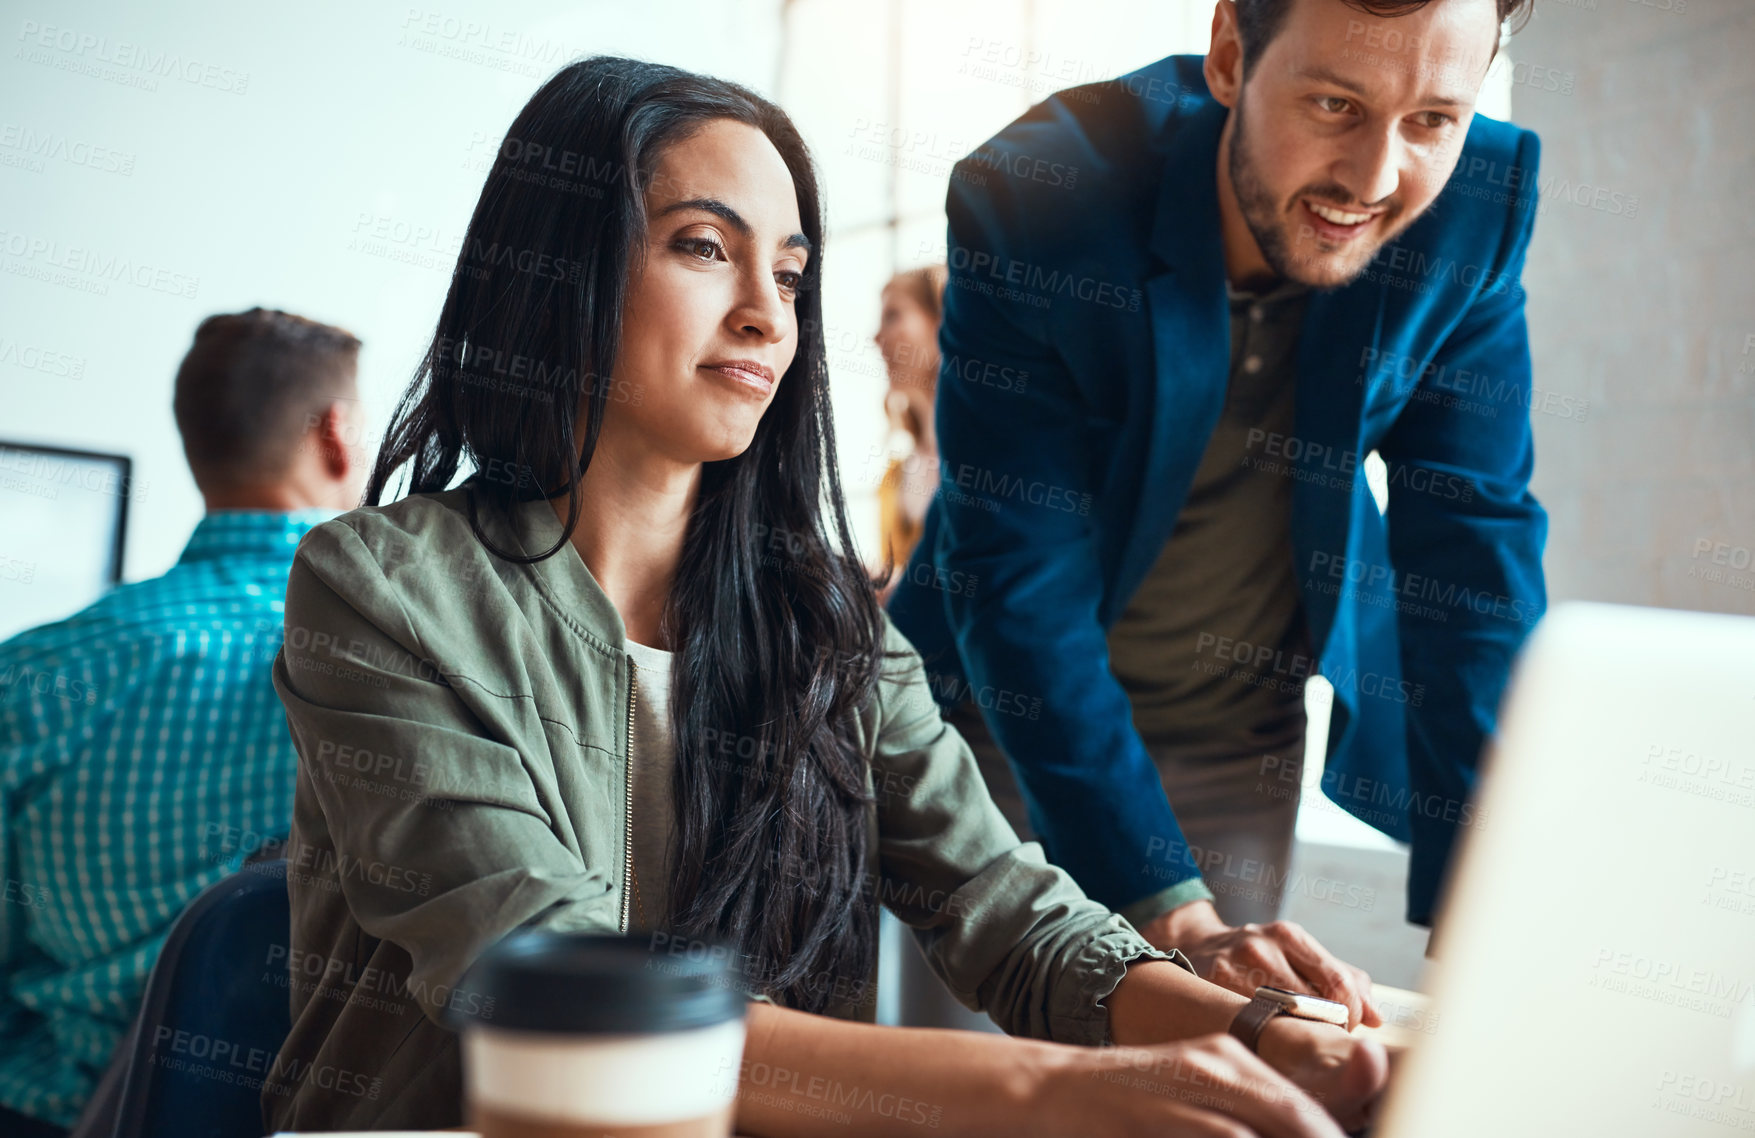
x,y
1642,298
300,129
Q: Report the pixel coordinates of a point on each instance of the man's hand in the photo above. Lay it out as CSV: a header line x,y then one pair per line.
x,y
1281,954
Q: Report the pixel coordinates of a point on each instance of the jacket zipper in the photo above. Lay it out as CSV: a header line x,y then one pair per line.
x,y
628,804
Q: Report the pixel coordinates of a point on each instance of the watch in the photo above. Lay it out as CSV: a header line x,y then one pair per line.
x,y
1271,1002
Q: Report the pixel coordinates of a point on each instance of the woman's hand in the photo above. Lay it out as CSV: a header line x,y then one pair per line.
x,y
1157,1001
900,1082
1209,1086
1347,1074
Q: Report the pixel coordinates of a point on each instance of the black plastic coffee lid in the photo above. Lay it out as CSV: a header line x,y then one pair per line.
x,y
582,984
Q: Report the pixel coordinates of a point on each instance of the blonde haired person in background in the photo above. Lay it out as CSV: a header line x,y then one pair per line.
x,y
907,337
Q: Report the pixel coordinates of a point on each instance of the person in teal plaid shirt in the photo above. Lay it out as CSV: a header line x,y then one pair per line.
x,y
140,736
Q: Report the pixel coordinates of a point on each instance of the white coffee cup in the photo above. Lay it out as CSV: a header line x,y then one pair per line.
x,y
578,1035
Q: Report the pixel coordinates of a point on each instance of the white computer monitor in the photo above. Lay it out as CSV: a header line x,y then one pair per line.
x,y
63,521
1595,965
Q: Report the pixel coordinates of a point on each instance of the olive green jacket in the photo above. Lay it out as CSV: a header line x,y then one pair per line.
x,y
462,724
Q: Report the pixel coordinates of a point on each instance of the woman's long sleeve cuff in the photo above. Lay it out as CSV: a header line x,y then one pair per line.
x,y
1099,966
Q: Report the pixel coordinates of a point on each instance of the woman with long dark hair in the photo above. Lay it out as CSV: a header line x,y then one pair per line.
x,y
629,675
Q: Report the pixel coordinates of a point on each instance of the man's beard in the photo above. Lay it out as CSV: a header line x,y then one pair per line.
x,y
1269,226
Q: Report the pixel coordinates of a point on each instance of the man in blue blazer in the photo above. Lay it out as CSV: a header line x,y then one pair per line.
x,y
1184,308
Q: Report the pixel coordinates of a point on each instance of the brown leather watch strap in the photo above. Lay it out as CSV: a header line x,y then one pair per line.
x,y
1253,1017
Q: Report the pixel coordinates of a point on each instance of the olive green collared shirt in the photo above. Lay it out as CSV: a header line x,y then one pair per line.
x,y
463,722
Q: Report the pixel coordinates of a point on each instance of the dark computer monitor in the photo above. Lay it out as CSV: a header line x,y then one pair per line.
x,y
63,521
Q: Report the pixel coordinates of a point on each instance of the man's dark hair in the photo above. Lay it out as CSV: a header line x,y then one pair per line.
x,y
1259,21
248,388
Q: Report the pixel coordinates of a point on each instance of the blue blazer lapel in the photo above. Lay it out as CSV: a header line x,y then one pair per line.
x,y
1191,341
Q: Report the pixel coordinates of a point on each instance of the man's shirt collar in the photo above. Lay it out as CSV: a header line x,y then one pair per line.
x,y
251,533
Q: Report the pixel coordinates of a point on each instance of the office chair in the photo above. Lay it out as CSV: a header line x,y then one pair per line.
x,y
214,1015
